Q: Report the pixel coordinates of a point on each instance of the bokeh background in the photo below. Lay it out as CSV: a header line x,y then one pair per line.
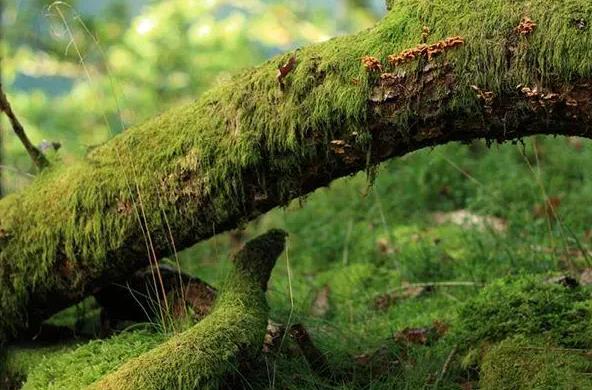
x,y
80,71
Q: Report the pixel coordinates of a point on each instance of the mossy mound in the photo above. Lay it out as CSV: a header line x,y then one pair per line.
x,y
521,363
527,332
18,360
61,367
528,306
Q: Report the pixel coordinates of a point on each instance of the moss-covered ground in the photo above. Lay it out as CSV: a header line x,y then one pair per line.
x,y
503,321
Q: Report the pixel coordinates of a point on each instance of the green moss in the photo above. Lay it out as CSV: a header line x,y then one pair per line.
x,y
85,364
17,361
527,306
520,363
526,332
202,355
188,163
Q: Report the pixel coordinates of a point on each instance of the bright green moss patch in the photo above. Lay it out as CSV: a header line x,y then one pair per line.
x,y
520,363
17,361
527,306
85,364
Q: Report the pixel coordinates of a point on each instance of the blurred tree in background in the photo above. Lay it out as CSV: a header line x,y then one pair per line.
x,y
79,71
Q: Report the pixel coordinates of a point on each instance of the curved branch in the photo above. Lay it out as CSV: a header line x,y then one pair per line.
x,y
200,357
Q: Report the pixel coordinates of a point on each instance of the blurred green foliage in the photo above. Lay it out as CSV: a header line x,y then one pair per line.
x,y
80,71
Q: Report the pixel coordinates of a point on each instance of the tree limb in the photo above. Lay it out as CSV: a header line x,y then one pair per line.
x,y
200,357
36,156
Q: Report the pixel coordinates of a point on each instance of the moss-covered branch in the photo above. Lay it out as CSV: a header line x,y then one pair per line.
x,y
496,69
199,357
196,358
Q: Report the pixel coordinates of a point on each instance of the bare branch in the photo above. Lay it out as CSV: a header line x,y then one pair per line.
x,y
38,158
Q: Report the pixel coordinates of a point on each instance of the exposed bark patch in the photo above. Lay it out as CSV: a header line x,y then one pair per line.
x,y
344,151
580,24
395,94
486,97
575,100
391,87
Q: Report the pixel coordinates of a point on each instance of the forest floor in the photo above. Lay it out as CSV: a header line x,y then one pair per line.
x,y
439,274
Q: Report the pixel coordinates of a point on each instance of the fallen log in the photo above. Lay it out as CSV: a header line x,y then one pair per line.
x,y
426,75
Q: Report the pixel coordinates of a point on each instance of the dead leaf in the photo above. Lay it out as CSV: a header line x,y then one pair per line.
x,y
124,207
547,209
407,291
440,327
586,277
320,306
422,336
469,220
466,386
413,336
385,247
285,69
362,359
526,26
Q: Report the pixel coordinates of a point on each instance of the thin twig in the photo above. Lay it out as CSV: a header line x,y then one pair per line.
x,y
315,358
38,158
439,284
445,367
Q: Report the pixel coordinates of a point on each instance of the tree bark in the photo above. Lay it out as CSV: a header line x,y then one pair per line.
x,y
426,75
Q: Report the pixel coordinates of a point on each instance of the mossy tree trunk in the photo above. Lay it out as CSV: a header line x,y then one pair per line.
x,y
498,70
